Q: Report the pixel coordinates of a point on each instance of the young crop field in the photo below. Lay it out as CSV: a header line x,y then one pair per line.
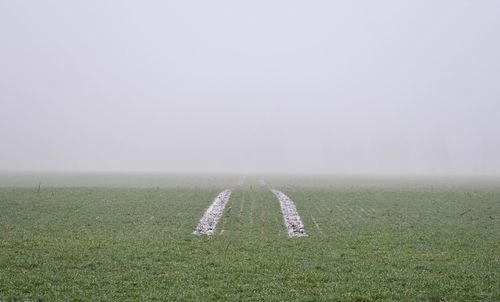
x,y
364,243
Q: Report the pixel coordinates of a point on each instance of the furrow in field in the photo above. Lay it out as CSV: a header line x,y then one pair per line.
x,y
252,206
293,224
316,224
342,215
224,220
239,217
209,221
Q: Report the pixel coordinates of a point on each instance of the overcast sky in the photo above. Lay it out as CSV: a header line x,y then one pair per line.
x,y
341,87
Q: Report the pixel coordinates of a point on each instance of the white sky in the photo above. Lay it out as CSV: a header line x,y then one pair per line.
x,y
378,87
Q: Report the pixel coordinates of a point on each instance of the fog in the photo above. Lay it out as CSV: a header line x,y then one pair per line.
x,y
336,87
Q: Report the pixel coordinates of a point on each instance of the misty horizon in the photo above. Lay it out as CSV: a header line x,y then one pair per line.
x,y
280,87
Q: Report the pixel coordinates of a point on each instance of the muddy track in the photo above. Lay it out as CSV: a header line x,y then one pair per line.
x,y
209,221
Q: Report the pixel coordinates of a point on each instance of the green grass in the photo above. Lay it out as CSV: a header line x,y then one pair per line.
x,y
364,244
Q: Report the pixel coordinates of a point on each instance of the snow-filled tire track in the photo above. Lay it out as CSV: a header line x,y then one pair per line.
x,y
209,221
293,224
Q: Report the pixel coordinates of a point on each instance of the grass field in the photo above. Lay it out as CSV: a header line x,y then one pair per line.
x,y
365,243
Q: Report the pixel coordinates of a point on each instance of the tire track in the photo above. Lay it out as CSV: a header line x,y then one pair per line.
x,y
293,224
209,220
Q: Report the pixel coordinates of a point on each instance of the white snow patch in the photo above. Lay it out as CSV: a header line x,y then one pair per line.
x,y
209,221
293,224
